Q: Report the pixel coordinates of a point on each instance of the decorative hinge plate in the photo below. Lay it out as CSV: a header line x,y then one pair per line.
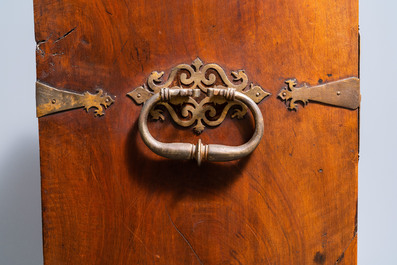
x,y
210,111
342,93
51,100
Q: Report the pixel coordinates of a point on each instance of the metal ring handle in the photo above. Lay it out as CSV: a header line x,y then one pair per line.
x,y
200,152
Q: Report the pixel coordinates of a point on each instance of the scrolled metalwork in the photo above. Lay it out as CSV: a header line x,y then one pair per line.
x,y
209,111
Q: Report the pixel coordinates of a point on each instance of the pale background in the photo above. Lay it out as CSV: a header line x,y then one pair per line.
x,y
20,212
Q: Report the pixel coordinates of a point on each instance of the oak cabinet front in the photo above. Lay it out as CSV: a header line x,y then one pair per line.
x,y
263,94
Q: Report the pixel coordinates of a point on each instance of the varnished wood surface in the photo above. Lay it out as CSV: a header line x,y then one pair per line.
x,y
108,200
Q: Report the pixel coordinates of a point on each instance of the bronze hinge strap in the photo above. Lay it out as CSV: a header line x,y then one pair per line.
x,y
342,93
51,100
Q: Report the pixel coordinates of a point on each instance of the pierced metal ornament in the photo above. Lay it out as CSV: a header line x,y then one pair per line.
x,y
209,111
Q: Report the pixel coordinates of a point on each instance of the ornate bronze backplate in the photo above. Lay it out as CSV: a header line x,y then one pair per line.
x,y
210,111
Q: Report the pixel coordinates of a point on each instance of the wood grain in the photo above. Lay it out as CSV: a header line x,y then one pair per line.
x,y
108,200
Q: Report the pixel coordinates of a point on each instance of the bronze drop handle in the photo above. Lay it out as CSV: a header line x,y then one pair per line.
x,y
200,152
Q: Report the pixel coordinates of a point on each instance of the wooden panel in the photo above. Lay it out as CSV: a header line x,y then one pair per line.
x,y
107,199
